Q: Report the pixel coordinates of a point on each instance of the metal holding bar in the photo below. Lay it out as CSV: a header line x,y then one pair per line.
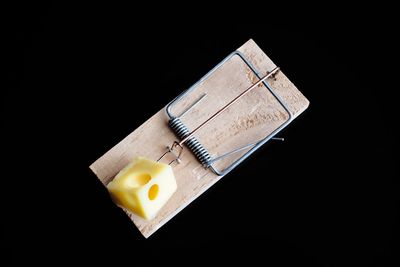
x,y
229,104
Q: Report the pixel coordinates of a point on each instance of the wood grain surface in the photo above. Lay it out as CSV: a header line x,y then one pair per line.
x,y
250,119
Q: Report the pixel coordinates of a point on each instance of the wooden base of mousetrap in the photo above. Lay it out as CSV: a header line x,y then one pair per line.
x,y
255,117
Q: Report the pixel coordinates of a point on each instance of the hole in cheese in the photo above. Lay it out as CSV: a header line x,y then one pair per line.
x,y
136,180
153,192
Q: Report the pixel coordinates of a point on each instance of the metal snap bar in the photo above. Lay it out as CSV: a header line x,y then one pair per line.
x,y
187,138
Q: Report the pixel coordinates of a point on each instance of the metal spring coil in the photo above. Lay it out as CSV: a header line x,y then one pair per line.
x,y
181,131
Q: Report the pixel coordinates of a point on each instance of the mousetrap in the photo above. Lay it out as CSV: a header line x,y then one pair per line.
x,y
209,129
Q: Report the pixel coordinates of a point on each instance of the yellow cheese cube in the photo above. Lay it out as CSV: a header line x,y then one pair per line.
x,y
143,187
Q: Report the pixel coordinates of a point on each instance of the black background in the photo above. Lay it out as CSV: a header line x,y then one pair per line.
x,y
80,78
